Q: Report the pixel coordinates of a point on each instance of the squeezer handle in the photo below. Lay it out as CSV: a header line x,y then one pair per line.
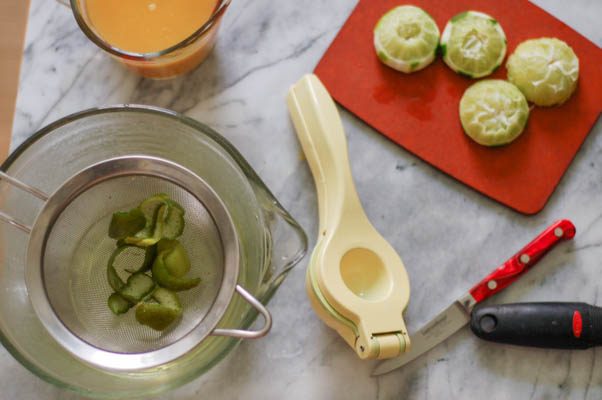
x,y
320,132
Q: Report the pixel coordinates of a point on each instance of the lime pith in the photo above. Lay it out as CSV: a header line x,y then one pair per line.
x,y
546,70
493,112
406,38
473,44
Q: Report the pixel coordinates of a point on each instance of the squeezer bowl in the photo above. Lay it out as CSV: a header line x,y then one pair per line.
x,y
271,242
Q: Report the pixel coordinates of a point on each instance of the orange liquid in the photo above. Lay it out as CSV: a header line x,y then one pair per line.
x,y
144,26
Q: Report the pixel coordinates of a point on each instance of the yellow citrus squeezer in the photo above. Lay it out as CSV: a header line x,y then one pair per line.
x,y
356,281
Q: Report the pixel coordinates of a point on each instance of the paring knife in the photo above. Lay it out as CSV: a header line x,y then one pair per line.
x,y
549,325
458,313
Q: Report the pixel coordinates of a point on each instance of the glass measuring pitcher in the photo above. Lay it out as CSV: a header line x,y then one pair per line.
x,y
271,242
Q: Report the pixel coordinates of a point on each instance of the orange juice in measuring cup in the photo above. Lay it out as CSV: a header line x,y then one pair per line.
x,y
156,38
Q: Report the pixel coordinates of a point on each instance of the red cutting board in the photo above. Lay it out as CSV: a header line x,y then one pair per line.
x,y
419,111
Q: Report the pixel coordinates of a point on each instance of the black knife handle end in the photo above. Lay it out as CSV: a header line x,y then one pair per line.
x,y
547,325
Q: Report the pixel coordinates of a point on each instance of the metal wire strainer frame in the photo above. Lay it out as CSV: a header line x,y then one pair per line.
x,y
89,177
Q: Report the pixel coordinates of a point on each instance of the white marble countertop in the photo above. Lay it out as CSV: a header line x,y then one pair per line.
x,y
448,235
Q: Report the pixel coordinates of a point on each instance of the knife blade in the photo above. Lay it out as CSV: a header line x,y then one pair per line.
x,y
458,313
549,325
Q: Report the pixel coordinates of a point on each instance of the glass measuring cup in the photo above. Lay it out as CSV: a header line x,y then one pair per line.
x,y
271,241
177,59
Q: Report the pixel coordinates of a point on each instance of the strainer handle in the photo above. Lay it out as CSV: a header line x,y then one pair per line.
x,y
243,334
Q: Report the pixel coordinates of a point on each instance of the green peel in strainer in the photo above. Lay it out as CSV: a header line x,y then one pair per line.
x,y
147,240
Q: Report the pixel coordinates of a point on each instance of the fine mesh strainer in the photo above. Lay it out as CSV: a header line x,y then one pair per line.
x,y
69,247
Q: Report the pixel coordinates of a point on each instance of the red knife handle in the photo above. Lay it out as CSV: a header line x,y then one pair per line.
x,y
522,261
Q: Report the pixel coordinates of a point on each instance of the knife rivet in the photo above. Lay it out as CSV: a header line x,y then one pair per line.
x,y
558,232
492,284
524,258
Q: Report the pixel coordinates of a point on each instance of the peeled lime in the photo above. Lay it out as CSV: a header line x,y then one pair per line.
x,y
546,70
473,44
493,112
406,39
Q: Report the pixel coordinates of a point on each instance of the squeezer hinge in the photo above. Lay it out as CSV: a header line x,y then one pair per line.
x,y
383,345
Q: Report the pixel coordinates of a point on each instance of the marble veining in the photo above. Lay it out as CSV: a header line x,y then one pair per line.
x,y
448,235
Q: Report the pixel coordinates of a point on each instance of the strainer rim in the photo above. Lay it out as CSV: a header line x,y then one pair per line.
x,y
50,212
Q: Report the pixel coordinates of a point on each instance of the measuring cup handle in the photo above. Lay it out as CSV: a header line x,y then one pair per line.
x,y
244,334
